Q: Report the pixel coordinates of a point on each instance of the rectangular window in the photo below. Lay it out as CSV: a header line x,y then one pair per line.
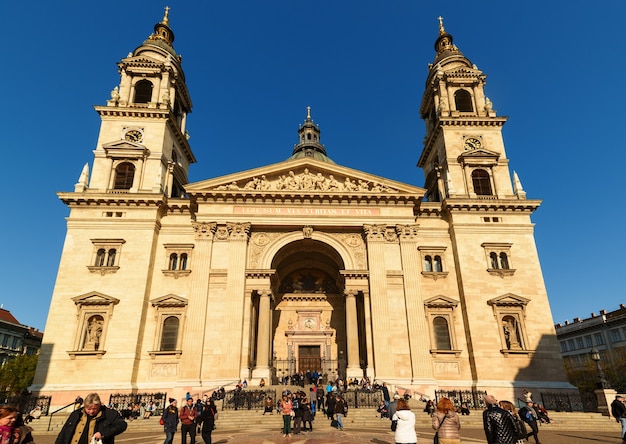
x,y
563,347
579,343
615,335
5,341
599,339
588,341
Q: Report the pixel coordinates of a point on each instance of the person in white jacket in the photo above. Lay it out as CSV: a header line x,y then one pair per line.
x,y
405,430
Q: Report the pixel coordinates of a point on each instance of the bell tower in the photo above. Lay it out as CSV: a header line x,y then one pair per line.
x,y
463,155
143,143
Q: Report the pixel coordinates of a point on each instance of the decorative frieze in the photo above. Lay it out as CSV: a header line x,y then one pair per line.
x,y
307,181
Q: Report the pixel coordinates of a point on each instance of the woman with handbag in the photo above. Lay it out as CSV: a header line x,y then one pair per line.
x,y
404,422
446,423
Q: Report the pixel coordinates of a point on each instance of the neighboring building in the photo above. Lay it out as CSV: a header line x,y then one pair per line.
x,y
606,333
17,339
165,285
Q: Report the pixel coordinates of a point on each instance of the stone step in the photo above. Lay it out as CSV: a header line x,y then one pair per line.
x,y
357,418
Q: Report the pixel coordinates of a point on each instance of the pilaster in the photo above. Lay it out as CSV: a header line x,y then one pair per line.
x,y
417,329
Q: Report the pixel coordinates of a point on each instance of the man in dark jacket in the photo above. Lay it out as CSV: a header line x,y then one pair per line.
x,y
92,421
170,420
498,423
530,416
618,410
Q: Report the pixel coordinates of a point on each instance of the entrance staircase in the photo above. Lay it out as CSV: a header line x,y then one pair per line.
x,y
360,419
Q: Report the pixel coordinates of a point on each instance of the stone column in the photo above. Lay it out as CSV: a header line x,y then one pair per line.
x,y
352,336
419,343
263,337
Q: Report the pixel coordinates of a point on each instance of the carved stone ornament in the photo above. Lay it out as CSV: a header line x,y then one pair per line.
x,y
307,232
308,181
204,230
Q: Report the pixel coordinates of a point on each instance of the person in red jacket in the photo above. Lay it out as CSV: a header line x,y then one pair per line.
x,y
188,415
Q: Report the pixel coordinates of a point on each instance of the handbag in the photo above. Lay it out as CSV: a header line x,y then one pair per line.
x,y
161,422
436,437
394,425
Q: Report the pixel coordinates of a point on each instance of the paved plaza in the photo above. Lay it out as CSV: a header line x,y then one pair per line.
x,y
610,434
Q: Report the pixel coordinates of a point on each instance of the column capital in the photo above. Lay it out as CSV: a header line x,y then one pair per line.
x,y
204,230
379,233
239,230
407,232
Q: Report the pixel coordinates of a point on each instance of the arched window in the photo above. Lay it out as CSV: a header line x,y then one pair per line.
x,y
437,264
428,263
111,257
169,336
463,101
481,182
493,258
143,91
173,261
504,261
442,333
124,175
100,256
183,261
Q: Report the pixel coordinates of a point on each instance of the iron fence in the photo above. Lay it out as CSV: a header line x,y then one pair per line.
x,y
26,402
246,399
363,398
473,398
568,402
124,402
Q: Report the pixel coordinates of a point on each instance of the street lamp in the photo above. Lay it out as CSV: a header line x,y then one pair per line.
x,y
602,382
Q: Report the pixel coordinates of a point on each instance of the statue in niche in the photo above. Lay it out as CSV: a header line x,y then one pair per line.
x,y
511,333
95,325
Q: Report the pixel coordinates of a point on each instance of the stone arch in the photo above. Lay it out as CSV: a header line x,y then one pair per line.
x,y
265,261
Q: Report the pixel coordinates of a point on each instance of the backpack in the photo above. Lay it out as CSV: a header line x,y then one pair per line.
x,y
520,428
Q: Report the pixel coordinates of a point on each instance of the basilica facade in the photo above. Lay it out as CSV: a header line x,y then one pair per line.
x,y
166,285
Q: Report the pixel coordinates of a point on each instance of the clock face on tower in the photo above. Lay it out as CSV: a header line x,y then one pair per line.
x,y
472,143
133,136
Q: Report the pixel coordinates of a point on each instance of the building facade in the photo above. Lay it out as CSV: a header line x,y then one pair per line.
x,y
17,339
300,265
604,333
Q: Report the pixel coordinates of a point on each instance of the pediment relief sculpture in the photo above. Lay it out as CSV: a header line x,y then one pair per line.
x,y
307,180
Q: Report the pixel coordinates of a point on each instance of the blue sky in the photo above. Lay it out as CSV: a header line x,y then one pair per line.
x,y
554,67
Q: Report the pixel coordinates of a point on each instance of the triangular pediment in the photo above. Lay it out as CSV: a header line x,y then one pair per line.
x,y
141,60
509,300
95,298
479,153
169,300
303,176
441,301
126,148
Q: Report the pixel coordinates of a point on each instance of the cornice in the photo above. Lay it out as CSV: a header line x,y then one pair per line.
x,y
472,121
506,205
110,199
309,198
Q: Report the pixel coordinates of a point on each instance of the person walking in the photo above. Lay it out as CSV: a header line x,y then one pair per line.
x,y
12,428
92,421
498,423
405,428
340,407
446,422
529,415
618,410
170,421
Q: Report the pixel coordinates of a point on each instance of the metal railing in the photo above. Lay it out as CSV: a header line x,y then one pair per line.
x,y
124,402
568,402
246,399
25,403
473,398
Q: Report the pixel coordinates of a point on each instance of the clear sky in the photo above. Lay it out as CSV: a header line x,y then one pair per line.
x,y
556,68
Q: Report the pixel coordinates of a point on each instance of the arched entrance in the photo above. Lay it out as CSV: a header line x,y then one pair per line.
x,y
308,329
